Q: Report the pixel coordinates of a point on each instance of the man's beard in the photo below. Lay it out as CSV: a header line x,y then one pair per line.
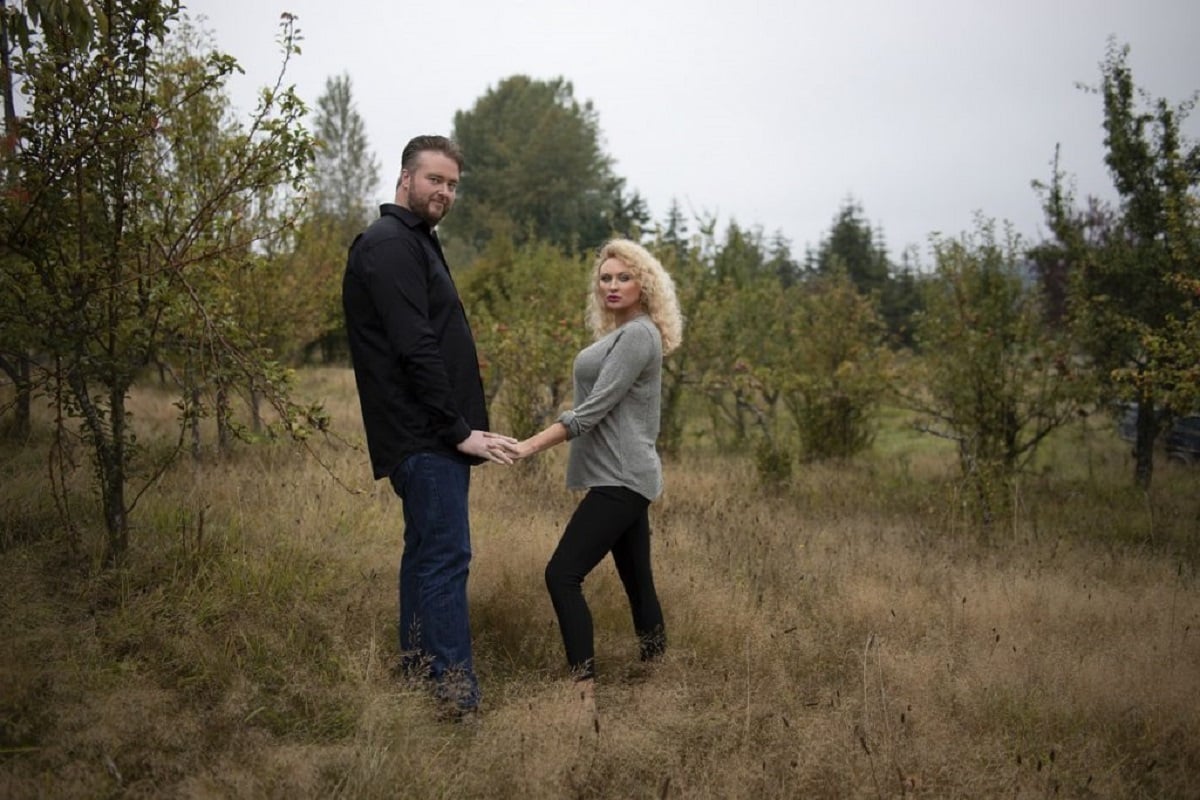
x,y
421,206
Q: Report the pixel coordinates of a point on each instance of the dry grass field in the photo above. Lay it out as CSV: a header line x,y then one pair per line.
x,y
853,635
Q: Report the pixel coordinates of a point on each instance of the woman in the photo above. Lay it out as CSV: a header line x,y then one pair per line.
x,y
635,316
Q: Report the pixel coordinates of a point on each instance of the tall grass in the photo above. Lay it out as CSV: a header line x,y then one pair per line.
x,y
853,635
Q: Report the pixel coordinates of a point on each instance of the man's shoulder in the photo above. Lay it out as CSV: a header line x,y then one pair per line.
x,y
395,225
393,220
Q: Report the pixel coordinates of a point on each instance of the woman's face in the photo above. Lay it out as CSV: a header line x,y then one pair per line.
x,y
619,290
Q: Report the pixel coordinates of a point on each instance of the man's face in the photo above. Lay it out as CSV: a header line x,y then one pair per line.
x,y
429,190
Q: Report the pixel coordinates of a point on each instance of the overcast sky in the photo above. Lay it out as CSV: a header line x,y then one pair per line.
x,y
767,112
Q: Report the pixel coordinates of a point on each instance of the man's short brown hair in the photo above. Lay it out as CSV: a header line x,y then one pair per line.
x,y
421,144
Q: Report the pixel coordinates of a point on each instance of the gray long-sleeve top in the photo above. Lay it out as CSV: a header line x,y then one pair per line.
x,y
618,402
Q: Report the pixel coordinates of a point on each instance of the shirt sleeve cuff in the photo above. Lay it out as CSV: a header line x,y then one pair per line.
x,y
571,423
458,433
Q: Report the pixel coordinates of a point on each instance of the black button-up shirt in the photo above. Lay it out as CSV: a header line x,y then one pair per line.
x,y
414,357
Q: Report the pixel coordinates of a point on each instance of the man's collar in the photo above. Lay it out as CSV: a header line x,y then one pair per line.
x,y
403,214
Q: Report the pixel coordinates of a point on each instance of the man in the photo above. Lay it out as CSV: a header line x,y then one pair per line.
x,y
423,408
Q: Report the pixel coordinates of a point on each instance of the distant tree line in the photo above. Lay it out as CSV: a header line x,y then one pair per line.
x,y
148,233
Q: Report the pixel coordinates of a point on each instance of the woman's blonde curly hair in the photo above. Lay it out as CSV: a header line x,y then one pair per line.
x,y
658,292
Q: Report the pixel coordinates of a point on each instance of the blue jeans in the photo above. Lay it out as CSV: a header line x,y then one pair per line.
x,y
435,629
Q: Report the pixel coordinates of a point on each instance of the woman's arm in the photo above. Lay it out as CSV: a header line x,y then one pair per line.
x,y
555,433
628,354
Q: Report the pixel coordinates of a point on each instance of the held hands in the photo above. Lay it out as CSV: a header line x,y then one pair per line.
x,y
501,449
495,447
522,449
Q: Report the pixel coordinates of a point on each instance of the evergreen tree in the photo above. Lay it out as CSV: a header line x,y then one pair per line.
x,y
852,242
536,169
346,171
674,229
780,262
345,175
629,215
740,258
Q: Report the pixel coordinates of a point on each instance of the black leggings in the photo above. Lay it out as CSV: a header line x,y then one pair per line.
x,y
609,519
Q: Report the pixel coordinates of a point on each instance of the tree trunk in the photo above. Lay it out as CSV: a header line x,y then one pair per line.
x,y
112,482
109,447
24,403
671,436
223,422
195,423
222,410
256,420
19,374
1143,451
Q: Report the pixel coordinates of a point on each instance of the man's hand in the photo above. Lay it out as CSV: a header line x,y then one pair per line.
x,y
495,447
